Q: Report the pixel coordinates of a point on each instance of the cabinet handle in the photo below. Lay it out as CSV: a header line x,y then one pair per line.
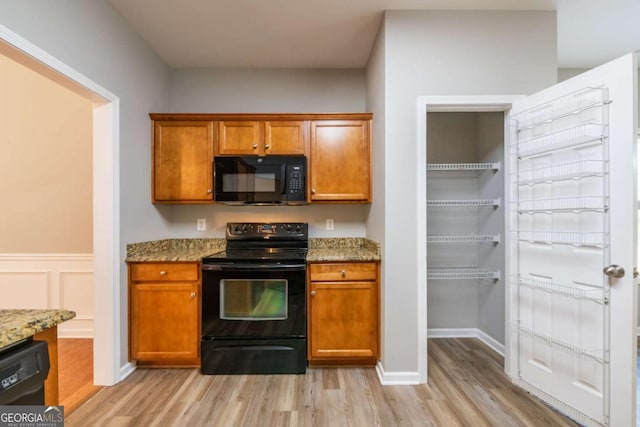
x,y
255,146
163,273
343,273
266,146
193,294
313,293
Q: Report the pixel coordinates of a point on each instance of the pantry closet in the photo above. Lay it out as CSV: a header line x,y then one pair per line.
x,y
465,225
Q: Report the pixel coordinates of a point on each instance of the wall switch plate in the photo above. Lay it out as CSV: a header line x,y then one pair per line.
x,y
330,224
201,224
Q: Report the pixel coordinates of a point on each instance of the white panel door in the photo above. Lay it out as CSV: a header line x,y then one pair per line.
x,y
573,213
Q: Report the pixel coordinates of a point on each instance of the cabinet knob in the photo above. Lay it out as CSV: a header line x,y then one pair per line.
x,y
163,273
313,293
313,191
209,191
266,146
343,273
193,294
255,146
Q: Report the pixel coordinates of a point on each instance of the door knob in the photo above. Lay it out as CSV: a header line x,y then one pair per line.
x,y
313,293
266,146
255,145
614,270
193,294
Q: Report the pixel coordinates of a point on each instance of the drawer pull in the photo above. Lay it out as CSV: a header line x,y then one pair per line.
x,y
313,293
163,273
193,294
344,273
255,146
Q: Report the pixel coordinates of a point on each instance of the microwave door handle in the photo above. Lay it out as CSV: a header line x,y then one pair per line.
x,y
283,180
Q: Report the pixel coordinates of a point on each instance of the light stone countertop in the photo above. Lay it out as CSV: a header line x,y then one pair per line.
x,y
348,249
16,325
345,249
174,250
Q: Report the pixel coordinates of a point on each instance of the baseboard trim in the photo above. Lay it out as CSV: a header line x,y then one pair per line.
x,y
397,378
127,370
467,333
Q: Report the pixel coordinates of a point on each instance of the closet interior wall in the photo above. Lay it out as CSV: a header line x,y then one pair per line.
x,y
455,304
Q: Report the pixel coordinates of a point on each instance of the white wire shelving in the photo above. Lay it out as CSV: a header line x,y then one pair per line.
x,y
471,238
564,204
598,355
574,238
450,273
569,105
562,139
444,167
562,172
464,203
593,294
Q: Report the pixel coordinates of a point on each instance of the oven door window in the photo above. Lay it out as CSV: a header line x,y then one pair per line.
x,y
246,299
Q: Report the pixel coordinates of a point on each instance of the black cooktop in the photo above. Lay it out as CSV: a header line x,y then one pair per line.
x,y
272,242
261,254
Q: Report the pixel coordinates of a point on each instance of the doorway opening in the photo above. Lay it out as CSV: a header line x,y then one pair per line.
x,y
106,226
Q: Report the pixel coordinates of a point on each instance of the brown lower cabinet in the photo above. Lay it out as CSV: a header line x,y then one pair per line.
x,y
164,313
343,314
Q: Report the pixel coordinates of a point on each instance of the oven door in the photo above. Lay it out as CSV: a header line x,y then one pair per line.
x,y
253,301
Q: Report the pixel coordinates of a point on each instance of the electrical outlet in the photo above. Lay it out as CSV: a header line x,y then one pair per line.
x,y
330,224
201,224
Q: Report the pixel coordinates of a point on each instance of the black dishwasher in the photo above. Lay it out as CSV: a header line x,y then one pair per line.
x,y
23,369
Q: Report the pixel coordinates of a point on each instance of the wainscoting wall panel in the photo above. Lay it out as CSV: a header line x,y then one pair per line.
x,y
50,281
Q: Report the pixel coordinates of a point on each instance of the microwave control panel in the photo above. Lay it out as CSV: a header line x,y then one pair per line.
x,y
295,183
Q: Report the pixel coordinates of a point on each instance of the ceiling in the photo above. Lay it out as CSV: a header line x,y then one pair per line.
x,y
340,33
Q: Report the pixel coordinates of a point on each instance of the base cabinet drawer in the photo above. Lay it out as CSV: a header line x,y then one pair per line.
x,y
343,315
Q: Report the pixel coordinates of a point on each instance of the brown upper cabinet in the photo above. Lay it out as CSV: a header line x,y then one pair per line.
x,y
337,146
340,161
262,138
182,161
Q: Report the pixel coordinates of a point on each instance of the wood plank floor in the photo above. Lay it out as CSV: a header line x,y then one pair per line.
x,y
75,372
467,387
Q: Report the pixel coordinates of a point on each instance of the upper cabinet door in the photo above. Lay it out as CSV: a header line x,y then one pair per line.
x,y
573,219
260,138
284,137
239,138
182,161
340,161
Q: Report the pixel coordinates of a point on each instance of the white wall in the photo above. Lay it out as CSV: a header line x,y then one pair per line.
x,y
376,99
266,91
93,39
440,53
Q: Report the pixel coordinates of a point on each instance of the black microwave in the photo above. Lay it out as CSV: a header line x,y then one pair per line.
x,y
260,180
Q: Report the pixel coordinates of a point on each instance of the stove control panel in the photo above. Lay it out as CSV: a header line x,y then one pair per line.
x,y
267,230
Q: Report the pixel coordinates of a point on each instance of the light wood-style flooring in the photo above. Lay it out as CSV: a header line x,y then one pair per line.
x,y
467,387
75,372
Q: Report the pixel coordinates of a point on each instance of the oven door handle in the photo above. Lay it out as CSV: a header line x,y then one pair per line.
x,y
253,266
